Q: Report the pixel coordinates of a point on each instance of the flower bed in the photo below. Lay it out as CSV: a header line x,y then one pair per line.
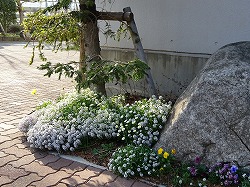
x,y
76,120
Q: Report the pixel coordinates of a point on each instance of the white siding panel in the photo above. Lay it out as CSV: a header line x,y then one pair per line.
x,y
193,26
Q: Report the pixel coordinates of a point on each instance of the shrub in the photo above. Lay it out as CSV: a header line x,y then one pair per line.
x,y
63,124
134,161
141,122
15,28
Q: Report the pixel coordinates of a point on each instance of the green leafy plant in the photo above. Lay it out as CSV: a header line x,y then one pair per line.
x,y
167,161
103,70
244,178
7,13
15,28
104,151
59,29
43,105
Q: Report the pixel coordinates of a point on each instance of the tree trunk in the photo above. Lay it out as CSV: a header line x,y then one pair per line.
x,y
2,29
82,62
20,11
91,37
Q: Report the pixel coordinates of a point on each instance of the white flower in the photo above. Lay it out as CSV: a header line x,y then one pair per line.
x,y
125,175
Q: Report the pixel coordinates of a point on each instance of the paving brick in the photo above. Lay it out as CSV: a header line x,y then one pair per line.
x,y
89,172
9,143
63,185
12,172
13,121
48,159
104,178
16,135
6,127
4,139
36,167
7,159
74,167
8,132
25,160
23,145
60,163
73,180
23,181
4,180
17,152
51,179
2,154
89,184
120,182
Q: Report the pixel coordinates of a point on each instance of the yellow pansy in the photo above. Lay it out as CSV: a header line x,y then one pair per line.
x,y
165,155
160,150
173,151
33,92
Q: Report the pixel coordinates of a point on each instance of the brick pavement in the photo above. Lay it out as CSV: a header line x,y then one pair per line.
x,y
20,165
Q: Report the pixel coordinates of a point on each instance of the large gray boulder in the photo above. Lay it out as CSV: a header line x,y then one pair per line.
x,y
211,118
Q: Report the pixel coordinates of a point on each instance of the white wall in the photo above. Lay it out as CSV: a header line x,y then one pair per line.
x,y
193,26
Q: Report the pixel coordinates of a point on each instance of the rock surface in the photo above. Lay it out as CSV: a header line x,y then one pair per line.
x,y
211,118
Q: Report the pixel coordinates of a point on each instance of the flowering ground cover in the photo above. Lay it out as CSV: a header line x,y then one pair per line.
x,y
120,136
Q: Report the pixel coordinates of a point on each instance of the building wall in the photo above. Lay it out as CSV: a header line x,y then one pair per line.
x,y
190,26
172,72
179,35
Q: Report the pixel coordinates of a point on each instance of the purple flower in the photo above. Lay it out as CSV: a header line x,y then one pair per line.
x,y
193,171
226,166
197,160
224,169
221,171
236,177
230,176
234,169
227,183
218,164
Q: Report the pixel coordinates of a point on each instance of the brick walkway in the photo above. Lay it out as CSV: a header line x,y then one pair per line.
x,y
20,165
